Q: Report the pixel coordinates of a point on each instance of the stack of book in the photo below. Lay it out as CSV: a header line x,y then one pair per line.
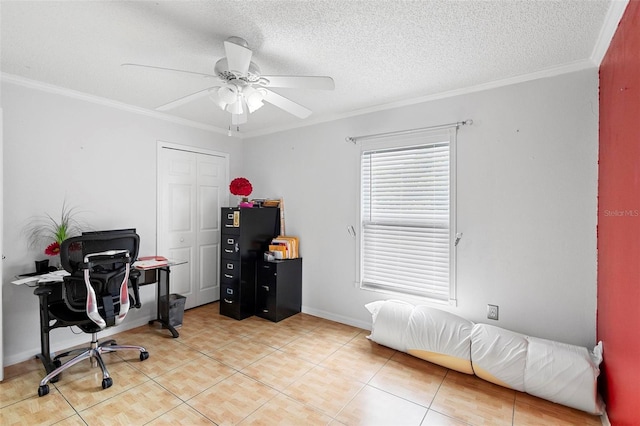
x,y
284,247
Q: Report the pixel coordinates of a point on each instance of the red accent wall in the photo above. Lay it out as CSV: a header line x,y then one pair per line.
x,y
618,324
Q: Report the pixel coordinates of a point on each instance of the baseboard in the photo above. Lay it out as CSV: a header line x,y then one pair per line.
x,y
337,318
604,418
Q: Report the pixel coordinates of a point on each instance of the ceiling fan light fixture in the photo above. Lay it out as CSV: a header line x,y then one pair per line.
x,y
228,93
236,107
254,105
213,95
253,98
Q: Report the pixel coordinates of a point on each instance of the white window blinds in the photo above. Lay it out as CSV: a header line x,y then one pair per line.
x,y
405,219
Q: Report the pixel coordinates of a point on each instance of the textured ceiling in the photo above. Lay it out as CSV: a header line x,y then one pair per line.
x,y
379,52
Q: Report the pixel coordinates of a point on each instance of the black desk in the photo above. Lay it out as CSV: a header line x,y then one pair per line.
x,y
46,291
52,291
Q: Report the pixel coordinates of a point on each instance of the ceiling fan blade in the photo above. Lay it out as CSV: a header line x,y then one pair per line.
x,y
170,70
286,104
185,99
300,82
238,57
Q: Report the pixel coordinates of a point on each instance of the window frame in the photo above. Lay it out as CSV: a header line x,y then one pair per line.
x,y
408,141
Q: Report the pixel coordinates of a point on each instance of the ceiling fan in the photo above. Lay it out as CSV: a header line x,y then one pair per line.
x,y
241,89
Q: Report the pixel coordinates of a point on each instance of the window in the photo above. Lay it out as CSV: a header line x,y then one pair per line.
x,y
407,210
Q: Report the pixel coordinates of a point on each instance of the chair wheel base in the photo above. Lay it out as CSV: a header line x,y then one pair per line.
x,y
43,390
106,383
56,363
144,355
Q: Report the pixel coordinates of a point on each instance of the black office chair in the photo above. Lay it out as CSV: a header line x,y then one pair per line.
x,y
95,296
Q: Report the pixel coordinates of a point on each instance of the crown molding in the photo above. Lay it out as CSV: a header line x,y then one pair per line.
x,y
74,94
608,30
544,73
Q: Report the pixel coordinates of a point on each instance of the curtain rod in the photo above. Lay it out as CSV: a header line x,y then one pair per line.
x,y
354,139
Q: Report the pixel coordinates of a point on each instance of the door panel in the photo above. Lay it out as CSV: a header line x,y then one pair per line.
x,y
212,185
191,191
178,219
208,269
180,199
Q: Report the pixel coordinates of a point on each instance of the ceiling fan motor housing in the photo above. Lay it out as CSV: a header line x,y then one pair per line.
x,y
222,70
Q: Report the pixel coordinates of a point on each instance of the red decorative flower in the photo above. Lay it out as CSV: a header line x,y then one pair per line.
x,y
241,186
52,249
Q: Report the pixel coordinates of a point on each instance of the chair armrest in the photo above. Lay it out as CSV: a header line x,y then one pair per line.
x,y
43,290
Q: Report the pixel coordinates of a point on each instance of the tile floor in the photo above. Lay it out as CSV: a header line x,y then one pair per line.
x,y
301,371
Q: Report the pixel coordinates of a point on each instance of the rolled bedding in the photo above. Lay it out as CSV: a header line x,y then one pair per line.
x,y
427,333
440,337
559,372
499,356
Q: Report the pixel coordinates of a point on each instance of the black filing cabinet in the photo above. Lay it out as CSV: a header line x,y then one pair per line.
x,y
279,292
246,233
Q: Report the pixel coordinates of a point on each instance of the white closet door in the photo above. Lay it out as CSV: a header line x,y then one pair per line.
x,y
211,194
192,188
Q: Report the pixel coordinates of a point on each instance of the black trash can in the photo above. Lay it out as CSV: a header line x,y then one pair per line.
x,y
176,309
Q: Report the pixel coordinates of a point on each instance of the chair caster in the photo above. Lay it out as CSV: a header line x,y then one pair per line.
x,y
106,383
43,390
144,355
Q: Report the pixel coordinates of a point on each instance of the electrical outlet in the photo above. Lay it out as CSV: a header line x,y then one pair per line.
x,y
492,312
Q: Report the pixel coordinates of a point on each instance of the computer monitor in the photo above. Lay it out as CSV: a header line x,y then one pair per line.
x,y
111,231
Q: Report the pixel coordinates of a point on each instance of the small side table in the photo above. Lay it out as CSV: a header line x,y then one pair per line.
x,y
279,289
161,274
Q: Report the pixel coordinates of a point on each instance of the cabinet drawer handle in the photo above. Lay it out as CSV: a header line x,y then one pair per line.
x,y
265,311
266,287
228,276
230,241
229,265
228,226
228,301
230,216
228,251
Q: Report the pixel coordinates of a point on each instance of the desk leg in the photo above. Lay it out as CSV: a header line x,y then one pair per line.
x,y
163,308
43,293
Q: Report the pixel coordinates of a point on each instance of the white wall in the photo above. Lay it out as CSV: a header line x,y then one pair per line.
x,y
527,194
102,160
